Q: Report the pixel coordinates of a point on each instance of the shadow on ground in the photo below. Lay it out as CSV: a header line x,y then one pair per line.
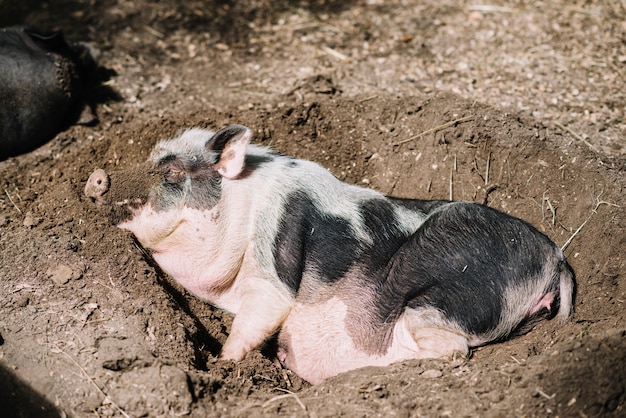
x,y
18,399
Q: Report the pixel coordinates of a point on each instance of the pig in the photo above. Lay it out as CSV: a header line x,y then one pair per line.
x,y
345,276
42,79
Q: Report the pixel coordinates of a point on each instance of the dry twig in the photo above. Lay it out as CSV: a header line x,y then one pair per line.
x,y
451,182
107,397
575,135
368,98
487,169
435,129
486,8
153,32
288,394
545,395
336,54
598,203
11,200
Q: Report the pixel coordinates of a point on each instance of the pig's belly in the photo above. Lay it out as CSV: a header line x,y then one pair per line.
x,y
315,342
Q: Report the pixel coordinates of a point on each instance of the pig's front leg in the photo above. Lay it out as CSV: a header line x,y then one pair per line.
x,y
264,308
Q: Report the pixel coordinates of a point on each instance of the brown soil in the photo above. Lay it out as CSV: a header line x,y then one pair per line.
x,y
520,106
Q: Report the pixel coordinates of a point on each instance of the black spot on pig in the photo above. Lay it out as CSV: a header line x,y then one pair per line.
x,y
386,234
254,162
42,84
310,240
313,241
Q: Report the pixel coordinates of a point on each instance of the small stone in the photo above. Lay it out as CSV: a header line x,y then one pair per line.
x,y
60,274
30,220
432,373
493,396
22,301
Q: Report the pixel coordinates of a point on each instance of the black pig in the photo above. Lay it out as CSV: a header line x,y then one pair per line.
x,y
41,82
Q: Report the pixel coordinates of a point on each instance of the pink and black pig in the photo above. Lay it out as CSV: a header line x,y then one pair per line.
x,y
347,276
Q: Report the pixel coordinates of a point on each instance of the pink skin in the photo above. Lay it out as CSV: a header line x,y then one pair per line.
x,y
311,337
214,268
545,302
308,337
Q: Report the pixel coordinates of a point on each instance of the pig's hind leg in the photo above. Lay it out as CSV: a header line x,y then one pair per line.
x,y
425,334
471,275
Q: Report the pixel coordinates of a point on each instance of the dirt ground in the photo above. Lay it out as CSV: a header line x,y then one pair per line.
x,y
519,105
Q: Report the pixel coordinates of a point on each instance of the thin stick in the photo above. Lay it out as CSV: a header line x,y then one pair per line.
x,y
575,135
553,212
153,31
287,391
567,243
545,395
543,201
336,54
599,202
368,98
288,394
451,182
436,128
11,200
287,379
487,173
477,169
489,8
120,410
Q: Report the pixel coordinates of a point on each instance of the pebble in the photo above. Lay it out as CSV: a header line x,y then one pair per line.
x,y
61,274
30,220
432,373
22,301
493,397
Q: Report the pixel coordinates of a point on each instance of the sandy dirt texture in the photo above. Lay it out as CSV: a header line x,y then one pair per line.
x,y
519,105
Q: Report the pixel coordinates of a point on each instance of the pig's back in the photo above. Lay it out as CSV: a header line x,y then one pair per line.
x,y
317,228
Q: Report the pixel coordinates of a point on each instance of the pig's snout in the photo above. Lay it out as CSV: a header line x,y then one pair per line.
x,y
97,185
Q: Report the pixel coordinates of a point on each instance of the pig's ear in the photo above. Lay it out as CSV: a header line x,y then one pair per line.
x,y
230,143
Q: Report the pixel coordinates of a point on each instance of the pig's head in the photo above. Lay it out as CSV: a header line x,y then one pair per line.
x,y
181,175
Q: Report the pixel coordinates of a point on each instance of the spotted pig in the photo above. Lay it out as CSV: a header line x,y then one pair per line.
x,y
347,276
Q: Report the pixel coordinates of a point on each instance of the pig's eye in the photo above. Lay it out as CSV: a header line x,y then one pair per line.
x,y
173,175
